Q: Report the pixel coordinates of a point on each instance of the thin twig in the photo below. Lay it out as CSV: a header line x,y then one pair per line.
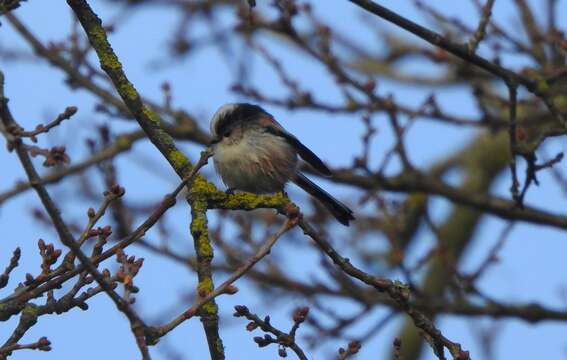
x,y
94,217
514,189
40,129
481,29
399,293
11,266
59,276
281,337
237,274
63,231
462,52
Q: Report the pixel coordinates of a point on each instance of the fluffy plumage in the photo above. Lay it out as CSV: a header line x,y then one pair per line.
x,y
254,153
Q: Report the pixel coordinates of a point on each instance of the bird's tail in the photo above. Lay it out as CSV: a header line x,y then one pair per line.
x,y
339,210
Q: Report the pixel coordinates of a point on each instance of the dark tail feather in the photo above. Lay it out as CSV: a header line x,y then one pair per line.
x,y
338,209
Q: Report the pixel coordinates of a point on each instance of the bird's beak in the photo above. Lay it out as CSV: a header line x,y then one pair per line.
x,y
215,140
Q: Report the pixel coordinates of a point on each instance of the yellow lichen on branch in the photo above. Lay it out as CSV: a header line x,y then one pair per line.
x,y
202,195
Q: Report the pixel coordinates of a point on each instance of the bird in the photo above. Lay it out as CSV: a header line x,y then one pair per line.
x,y
252,152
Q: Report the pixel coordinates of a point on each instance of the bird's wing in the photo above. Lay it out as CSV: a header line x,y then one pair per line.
x,y
275,128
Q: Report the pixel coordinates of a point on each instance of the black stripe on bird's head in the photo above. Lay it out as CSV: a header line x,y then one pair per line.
x,y
229,116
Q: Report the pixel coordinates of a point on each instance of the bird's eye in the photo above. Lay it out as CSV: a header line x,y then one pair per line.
x,y
226,134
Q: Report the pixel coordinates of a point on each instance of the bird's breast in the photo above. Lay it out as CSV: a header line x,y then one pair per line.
x,y
258,163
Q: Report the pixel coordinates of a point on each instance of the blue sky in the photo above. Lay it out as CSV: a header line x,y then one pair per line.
x,y
531,263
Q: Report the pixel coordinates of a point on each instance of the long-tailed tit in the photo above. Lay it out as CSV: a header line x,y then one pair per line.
x,y
254,153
